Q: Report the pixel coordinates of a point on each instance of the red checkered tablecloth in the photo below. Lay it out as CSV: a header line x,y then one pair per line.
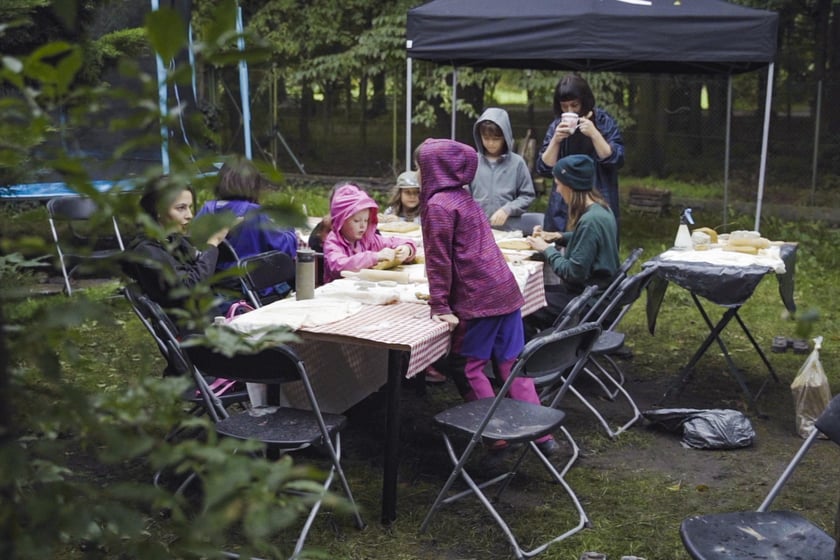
x,y
400,326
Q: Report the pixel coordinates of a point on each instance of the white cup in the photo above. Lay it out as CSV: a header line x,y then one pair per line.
x,y
570,120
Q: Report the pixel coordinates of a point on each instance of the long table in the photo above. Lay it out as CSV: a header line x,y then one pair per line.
x,y
372,339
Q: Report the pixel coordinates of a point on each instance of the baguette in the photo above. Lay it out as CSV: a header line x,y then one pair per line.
x,y
514,244
398,227
756,242
747,249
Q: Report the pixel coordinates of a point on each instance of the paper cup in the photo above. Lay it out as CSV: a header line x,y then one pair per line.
x,y
571,121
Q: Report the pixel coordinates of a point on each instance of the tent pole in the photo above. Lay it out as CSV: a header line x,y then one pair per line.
x,y
816,142
768,103
454,100
728,147
408,110
243,84
162,104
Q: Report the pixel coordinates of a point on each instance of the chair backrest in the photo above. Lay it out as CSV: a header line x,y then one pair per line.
x,y
81,243
77,209
140,307
620,274
624,297
829,421
555,360
266,276
571,314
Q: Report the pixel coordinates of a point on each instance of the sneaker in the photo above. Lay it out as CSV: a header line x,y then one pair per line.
x,y
549,447
800,347
434,376
780,344
593,556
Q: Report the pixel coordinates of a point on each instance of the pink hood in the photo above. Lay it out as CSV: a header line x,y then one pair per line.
x,y
348,200
444,165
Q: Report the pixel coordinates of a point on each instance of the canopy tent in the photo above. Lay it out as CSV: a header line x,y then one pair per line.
x,y
673,36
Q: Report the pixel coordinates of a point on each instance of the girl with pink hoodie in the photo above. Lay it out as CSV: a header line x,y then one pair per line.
x,y
354,243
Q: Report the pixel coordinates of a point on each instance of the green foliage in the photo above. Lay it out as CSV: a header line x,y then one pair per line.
x,y
60,428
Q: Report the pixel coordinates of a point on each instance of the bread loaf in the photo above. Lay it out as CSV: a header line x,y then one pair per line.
x,y
515,244
747,249
398,227
757,242
713,236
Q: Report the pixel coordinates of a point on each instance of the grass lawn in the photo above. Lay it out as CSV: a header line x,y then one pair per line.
x,y
636,489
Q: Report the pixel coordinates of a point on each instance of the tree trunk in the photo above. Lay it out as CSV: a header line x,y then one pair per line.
x,y
306,111
363,103
379,101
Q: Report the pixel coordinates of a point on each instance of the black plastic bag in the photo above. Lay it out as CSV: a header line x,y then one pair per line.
x,y
706,428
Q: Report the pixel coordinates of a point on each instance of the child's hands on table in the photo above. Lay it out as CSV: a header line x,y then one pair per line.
x,y
402,253
448,318
537,243
386,254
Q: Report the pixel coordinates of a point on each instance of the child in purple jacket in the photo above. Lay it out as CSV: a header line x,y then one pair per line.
x,y
354,243
471,286
238,192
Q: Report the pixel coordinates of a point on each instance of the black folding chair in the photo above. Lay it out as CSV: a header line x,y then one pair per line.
x,y
765,534
514,421
158,324
267,276
77,236
611,380
282,429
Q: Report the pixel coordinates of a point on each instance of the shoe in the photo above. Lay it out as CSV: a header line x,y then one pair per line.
x,y
497,445
780,344
593,556
434,376
549,447
800,347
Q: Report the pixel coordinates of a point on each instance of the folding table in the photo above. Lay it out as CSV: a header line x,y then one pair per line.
x,y
728,282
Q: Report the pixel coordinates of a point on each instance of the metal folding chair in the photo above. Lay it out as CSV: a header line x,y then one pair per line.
x,y
267,276
81,240
282,429
611,380
762,533
514,421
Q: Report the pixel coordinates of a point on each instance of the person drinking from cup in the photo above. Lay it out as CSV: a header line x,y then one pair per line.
x,y
579,127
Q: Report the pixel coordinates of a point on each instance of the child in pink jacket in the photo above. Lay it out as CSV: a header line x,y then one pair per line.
x,y
470,284
354,243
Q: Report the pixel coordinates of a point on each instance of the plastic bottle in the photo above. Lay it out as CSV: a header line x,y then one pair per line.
x,y
683,240
305,274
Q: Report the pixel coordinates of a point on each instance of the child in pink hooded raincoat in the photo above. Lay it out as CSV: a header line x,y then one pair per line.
x,y
471,286
354,243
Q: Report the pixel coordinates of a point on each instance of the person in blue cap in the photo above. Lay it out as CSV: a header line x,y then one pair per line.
x,y
585,254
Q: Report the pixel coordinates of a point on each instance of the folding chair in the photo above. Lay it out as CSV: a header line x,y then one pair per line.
x,y
157,323
610,340
502,418
762,533
267,276
82,240
282,429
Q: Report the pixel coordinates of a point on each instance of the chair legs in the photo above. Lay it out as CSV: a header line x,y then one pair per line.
x,y
475,488
335,452
605,381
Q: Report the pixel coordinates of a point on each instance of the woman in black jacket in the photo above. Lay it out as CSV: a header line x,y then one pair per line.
x,y
169,269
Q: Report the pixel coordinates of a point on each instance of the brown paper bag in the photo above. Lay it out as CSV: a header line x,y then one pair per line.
x,y
811,391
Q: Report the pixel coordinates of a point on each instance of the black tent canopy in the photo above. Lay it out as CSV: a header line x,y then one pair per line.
x,y
669,36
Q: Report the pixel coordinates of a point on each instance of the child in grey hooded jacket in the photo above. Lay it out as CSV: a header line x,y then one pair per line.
x,y
502,186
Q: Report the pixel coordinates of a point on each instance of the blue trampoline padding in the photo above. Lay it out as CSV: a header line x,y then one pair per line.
x,y
35,191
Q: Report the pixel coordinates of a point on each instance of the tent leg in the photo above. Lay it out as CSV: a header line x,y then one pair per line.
x,y
728,148
408,113
454,100
768,103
